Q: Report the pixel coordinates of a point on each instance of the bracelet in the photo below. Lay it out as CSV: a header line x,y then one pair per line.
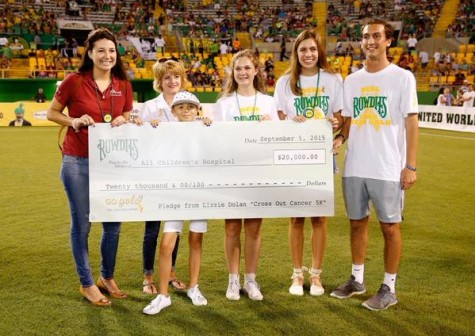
x,y
74,127
342,136
411,167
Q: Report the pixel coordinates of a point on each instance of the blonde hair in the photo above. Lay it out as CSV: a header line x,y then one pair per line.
x,y
159,70
295,68
258,83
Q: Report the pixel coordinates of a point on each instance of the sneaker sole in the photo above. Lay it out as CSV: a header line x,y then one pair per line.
x,y
253,298
233,298
332,294
149,313
364,304
196,303
199,304
154,313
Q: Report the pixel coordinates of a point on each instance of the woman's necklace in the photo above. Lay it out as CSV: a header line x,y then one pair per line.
x,y
239,106
309,111
108,116
318,83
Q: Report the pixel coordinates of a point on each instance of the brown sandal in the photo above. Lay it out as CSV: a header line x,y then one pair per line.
x,y
103,302
149,288
177,284
103,287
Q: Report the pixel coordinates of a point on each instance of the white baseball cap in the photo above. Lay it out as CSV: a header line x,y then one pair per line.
x,y
183,97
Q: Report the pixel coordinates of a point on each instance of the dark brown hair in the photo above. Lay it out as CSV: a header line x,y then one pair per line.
x,y
87,64
388,28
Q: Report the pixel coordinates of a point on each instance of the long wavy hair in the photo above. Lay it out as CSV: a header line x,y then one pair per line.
x,y
159,70
118,70
258,83
295,68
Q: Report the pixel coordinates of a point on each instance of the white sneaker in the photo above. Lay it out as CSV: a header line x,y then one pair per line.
x,y
196,297
253,290
157,304
233,290
297,284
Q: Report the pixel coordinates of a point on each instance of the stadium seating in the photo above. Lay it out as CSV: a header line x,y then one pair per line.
x,y
343,25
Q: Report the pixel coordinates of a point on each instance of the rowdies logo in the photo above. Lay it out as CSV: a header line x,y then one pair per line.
x,y
129,146
312,107
379,104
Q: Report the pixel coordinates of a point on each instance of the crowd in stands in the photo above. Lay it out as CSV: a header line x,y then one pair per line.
x,y
221,19
20,17
464,24
26,19
453,68
29,28
418,17
207,33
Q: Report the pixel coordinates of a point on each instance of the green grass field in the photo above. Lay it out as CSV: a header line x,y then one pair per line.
x,y
39,288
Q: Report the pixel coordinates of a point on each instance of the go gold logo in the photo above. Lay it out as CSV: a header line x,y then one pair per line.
x,y
126,203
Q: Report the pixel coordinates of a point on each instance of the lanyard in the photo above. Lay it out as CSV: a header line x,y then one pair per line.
x,y
106,117
163,111
316,92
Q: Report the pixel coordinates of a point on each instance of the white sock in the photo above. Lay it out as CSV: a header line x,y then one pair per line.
x,y
249,277
233,277
358,272
390,281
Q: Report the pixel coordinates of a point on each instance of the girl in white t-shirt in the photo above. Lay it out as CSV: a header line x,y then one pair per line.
x,y
244,99
309,90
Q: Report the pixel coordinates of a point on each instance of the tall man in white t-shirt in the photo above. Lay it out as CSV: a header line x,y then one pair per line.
x,y
381,125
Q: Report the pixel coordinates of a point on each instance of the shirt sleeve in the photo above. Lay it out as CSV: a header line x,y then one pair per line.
x,y
273,110
338,96
218,111
409,102
347,104
66,88
129,99
279,94
145,111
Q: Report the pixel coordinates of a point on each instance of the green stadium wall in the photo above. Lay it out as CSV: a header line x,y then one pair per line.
x,y
12,90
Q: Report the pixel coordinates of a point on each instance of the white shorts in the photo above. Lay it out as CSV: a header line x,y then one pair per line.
x,y
196,225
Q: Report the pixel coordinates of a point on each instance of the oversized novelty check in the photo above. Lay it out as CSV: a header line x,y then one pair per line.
x,y
185,170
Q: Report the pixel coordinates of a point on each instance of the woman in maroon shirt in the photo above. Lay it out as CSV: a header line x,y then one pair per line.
x,y
99,92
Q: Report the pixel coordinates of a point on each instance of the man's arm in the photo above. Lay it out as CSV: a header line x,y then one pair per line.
x,y
341,137
408,174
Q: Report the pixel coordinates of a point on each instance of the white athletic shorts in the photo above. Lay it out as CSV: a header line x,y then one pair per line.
x,y
197,225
